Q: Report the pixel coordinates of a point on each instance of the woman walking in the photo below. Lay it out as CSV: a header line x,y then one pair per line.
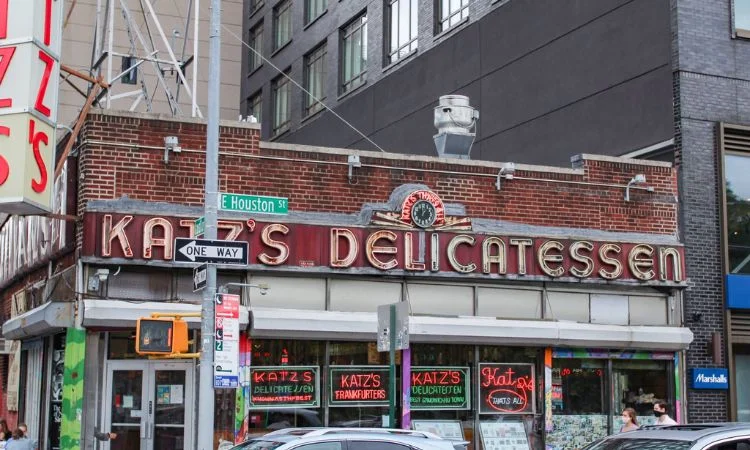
x,y
629,421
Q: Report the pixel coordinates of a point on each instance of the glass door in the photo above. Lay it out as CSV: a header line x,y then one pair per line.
x,y
149,405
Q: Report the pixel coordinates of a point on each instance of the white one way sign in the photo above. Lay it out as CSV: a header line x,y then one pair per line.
x,y
209,251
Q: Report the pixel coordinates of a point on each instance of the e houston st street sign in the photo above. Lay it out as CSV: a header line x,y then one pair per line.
x,y
210,251
253,204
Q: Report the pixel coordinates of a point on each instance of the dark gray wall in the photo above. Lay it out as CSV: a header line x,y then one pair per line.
x,y
550,78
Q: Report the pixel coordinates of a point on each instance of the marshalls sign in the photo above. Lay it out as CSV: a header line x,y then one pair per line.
x,y
30,34
710,378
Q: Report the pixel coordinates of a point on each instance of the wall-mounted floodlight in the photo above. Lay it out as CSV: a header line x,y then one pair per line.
x,y
637,179
506,171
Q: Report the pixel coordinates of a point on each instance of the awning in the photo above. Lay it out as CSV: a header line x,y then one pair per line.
x,y
49,318
293,323
123,314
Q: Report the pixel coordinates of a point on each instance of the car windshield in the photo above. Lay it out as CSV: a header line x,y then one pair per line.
x,y
258,444
639,444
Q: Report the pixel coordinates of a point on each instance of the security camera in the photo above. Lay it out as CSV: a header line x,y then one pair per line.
x,y
639,178
102,274
263,288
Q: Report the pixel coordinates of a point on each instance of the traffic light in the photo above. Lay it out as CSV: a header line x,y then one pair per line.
x,y
161,336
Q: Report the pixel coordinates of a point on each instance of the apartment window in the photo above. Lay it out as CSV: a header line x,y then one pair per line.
x,y
354,53
256,47
282,24
402,18
281,103
255,5
313,9
315,74
451,13
742,18
254,105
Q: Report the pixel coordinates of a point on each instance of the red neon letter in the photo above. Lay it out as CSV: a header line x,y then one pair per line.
x,y
4,168
3,19
6,54
34,140
47,22
49,62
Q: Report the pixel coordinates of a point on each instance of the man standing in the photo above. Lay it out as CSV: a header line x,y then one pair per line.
x,y
662,418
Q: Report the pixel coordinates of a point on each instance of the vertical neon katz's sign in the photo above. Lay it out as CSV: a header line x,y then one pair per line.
x,y
30,35
506,388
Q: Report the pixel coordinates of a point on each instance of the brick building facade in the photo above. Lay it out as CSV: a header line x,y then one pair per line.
x,y
554,254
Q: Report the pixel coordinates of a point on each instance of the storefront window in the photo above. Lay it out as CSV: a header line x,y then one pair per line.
x,y
737,185
441,389
742,372
284,373
638,385
579,403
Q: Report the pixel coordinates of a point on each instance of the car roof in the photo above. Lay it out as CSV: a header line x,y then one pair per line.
x,y
417,441
688,433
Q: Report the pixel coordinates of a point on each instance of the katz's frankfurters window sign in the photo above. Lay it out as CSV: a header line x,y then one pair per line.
x,y
284,387
358,386
440,388
506,388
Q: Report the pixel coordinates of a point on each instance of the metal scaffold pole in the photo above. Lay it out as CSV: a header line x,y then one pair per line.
x,y
206,384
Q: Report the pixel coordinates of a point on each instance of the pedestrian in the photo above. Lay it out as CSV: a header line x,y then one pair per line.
x,y
629,421
4,431
662,418
100,436
19,442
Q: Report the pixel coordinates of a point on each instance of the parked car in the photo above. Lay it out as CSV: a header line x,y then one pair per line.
x,y
350,439
710,436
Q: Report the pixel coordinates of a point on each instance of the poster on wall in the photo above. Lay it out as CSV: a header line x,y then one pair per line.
x,y
506,388
503,436
358,386
446,429
434,388
284,387
56,390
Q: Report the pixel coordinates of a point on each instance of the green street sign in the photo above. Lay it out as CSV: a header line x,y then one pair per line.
x,y
258,204
199,227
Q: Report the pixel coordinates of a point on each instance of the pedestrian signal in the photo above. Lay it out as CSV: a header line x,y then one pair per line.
x,y
157,336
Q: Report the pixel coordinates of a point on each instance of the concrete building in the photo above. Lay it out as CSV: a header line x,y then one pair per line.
x,y
656,79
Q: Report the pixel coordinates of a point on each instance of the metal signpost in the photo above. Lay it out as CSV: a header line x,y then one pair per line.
x,y
393,334
210,202
211,251
258,204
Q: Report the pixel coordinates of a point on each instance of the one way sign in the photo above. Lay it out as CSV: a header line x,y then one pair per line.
x,y
208,251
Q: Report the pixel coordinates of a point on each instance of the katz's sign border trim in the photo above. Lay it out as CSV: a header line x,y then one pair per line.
x,y
316,401
357,403
482,409
467,388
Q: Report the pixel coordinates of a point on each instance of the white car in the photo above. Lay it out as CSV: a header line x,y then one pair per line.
x,y
350,439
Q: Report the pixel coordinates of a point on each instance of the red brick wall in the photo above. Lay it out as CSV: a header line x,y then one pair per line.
x,y
115,161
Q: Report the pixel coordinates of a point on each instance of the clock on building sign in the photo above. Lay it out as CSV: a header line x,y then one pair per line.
x,y
423,214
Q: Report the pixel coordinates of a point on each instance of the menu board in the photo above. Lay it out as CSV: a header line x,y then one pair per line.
x,y
284,387
359,386
506,388
446,429
503,436
440,388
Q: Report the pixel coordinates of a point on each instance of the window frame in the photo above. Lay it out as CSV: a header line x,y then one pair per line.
x,y
318,54
284,7
280,82
736,31
253,35
251,101
256,5
394,55
346,32
308,19
442,21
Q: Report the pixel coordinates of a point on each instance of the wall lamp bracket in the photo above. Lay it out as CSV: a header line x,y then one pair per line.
x,y
353,162
507,171
171,143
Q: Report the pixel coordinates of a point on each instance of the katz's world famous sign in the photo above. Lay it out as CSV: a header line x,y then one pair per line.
x,y
30,35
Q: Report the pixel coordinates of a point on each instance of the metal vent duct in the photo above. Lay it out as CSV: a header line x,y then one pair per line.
x,y
456,122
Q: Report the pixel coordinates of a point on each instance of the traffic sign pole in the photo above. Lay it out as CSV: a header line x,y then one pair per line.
x,y
205,411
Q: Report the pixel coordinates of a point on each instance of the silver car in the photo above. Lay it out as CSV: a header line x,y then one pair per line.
x,y
719,436
350,439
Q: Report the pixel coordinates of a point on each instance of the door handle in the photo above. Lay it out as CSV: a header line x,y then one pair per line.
x,y
144,427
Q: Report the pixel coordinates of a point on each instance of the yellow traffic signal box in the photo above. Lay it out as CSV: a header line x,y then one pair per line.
x,y
161,336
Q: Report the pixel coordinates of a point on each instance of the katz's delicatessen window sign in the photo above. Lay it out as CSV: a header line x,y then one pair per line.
x,y
507,389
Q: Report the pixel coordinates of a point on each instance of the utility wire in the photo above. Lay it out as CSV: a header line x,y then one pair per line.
x,y
303,89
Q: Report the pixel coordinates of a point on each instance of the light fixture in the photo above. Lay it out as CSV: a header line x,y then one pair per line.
x,y
506,171
171,143
353,162
637,179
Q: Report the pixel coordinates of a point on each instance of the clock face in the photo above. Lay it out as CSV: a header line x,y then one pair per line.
x,y
423,214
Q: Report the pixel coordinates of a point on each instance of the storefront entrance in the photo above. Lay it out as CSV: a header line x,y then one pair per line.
x,y
149,404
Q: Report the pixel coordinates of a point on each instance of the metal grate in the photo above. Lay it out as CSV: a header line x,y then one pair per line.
x,y
740,323
735,138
